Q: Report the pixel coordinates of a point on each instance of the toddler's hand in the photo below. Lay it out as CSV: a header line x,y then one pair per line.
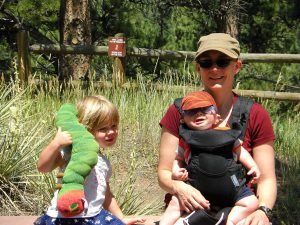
x,y
181,174
62,138
133,220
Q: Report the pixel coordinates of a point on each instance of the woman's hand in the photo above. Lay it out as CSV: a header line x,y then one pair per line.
x,y
258,217
133,220
189,197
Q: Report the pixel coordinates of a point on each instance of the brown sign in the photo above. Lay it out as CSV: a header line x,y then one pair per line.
x,y
116,47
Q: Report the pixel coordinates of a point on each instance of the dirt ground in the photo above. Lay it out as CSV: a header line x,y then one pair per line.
x,y
146,184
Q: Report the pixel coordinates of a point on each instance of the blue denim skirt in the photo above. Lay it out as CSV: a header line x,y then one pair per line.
x,y
103,218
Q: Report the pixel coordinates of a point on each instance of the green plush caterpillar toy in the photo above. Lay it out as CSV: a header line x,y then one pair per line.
x,y
70,201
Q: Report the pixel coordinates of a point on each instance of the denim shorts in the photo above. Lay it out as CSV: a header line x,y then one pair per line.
x,y
103,218
246,191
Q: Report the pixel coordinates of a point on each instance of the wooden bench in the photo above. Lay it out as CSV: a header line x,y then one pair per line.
x,y
28,220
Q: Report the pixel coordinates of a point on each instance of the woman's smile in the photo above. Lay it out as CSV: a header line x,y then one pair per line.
x,y
216,77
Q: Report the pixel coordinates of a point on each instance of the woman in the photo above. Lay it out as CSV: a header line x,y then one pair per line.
x,y
217,62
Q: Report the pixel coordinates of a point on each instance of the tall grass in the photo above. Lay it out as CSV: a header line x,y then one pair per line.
x,y
20,139
288,168
135,155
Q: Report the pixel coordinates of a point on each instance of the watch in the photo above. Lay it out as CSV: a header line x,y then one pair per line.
x,y
267,211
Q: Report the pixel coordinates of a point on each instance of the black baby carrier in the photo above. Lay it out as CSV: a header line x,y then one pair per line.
x,y
212,168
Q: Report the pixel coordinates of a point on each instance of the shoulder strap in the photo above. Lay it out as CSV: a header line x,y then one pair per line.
x,y
177,103
240,113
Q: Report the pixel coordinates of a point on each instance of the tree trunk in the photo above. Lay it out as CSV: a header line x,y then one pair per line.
x,y
232,18
226,18
75,30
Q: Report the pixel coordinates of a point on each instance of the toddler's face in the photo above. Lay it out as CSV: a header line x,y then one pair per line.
x,y
199,120
106,136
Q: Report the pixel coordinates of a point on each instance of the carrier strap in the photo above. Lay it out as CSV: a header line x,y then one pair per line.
x,y
177,103
240,113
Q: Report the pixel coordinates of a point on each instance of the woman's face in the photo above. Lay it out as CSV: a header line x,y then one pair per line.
x,y
106,136
217,70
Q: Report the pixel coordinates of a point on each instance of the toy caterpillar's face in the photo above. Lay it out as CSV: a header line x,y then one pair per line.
x,y
106,136
71,203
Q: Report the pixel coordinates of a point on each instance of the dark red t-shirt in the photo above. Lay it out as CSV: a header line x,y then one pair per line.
x,y
259,127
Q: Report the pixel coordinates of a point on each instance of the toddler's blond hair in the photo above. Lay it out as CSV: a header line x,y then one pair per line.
x,y
96,111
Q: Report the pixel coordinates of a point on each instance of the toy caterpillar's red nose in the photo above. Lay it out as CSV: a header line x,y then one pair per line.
x,y
71,203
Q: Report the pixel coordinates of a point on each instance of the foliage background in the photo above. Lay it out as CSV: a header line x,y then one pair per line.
x,y
263,27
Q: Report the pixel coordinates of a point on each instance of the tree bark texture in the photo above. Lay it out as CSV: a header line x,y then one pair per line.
x,y
23,57
227,17
76,30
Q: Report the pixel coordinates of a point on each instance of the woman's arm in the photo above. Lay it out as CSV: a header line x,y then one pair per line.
x,y
50,157
111,205
189,197
267,186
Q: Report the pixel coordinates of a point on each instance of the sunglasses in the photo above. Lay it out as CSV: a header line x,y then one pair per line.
x,y
208,63
204,110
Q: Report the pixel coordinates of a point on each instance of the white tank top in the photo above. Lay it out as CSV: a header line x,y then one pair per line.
x,y
94,187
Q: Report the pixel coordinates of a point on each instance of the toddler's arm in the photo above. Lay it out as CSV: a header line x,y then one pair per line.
x,y
50,157
111,205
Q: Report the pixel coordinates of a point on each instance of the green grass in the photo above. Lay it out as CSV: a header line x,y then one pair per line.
x,y
134,157
288,168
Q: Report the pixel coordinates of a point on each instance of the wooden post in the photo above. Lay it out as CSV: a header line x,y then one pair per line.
x,y
23,57
118,76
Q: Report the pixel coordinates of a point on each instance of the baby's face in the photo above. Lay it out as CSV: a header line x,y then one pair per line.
x,y
199,119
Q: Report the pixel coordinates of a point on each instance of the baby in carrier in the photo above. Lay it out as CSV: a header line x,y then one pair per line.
x,y
211,158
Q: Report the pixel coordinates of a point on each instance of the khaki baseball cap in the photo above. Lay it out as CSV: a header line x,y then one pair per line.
x,y
197,99
220,42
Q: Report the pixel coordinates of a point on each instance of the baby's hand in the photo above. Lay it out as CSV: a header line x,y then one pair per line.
x,y
181,174
62,138
255,172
